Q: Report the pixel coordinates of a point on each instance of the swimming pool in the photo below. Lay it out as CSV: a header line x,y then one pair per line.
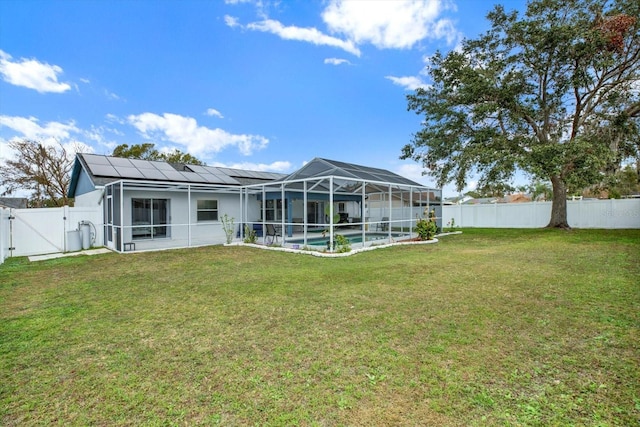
x,y
353,238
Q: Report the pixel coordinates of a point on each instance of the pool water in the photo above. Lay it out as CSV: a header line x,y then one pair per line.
x,y
353,238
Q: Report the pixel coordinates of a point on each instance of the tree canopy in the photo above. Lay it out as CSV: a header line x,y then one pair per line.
x,y
147,151
42,169
554,92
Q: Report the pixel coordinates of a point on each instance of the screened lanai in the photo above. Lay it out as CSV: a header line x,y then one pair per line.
x,y
326,198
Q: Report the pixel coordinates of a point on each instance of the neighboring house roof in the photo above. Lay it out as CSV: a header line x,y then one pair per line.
x,y
457,200
480,201
101,170
510,198
14,202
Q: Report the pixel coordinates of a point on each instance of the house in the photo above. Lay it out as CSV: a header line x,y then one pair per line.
x,y
14,202
156,205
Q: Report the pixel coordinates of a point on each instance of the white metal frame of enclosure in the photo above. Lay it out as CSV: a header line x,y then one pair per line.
x,y
155,186
312,186
331,187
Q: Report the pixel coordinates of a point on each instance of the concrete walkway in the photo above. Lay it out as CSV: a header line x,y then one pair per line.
x,y
60,254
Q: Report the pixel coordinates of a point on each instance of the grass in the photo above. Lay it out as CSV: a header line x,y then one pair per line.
x,y
490,327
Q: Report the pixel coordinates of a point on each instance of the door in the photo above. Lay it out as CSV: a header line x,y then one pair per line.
x,y
108,230
315,213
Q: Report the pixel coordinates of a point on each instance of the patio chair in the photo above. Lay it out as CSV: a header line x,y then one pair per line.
x,y
383,224
273,232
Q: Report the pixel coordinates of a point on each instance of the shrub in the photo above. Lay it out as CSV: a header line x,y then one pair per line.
x,y
227,226
427,228
343,244
250,235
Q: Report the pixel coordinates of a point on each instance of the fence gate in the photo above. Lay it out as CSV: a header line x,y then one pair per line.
x,y
40,231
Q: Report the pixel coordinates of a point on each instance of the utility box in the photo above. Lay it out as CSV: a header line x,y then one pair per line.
x,y
74,241
85,231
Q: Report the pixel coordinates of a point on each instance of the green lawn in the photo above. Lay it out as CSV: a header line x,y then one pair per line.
x,y
490,327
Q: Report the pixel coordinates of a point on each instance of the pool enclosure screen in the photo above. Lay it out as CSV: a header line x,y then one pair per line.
x,y
332,198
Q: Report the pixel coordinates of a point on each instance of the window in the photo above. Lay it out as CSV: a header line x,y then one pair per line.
x,y
273,210
149,218
207,210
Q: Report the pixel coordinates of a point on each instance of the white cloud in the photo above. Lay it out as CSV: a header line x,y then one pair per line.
x,y
310,35
278,166
112,118
409,82
336,61
445,29
231,21
414,172
197,140
389,24
214,113
111,95
32,74
29,128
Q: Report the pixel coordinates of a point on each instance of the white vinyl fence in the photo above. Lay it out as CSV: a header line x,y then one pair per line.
x,y
608,214
25,232
5,231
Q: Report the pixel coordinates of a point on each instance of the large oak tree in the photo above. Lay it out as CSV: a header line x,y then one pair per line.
x,y
554,92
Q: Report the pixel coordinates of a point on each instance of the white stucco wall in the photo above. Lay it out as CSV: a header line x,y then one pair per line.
x,y
90,199
183,226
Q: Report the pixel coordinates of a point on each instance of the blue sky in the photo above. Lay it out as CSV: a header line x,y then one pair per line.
x,y
265,85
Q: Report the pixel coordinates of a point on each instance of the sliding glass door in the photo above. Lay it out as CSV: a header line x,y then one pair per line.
x,y
150,218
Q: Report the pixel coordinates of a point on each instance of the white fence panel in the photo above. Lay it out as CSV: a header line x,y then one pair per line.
x,y
37,231
5,234
608,214
43,231
623,213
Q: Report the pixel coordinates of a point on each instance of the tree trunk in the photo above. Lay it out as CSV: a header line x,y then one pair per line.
x,y
559,204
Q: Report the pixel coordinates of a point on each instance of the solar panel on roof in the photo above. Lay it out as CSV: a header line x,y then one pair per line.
x,y
193,177
128,172
250,174
153,174
174,175
197,169
93,159
142,164
227,179
272,175
218,179
103,170
210,178
164,166
211,169
119,161
259,175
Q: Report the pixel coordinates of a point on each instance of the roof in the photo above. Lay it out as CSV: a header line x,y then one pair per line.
x,y
105,169
320,167
14,202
